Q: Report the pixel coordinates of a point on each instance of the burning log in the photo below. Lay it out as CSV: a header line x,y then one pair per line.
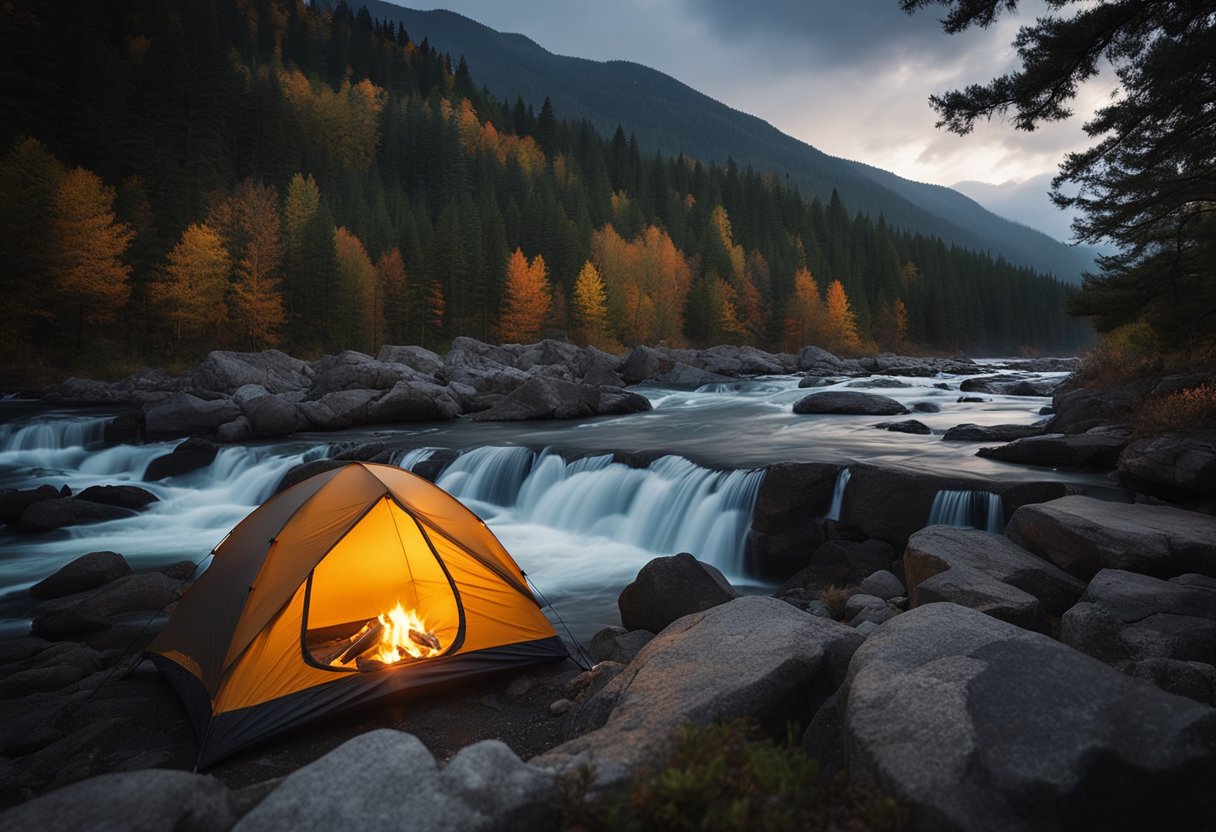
x,y
425,640
364,665
363,643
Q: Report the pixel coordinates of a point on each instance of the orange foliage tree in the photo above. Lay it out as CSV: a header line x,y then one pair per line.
x,y
842,324
390,296
192,286
805,317
252,231
646,281
89,276
526,299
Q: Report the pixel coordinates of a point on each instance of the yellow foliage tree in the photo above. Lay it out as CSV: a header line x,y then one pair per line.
x,y
805,318
526,299
88,243
358,314
192,286
590,307
249,223
647,283
842,324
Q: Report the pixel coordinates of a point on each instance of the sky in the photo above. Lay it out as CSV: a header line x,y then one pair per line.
x,y
851,77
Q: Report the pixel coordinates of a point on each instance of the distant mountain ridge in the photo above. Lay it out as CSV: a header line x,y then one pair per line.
x,y
669,116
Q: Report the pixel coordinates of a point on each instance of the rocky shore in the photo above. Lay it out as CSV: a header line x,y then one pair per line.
x,y
1060,674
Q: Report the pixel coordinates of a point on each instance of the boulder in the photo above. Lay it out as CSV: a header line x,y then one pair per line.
x,y
616,644
51,669
1083,535
732,360
1194,680
13,503
1096,448
340,409
48,515
938,549
86,572
615,401
861,608
248,392
974,723
849,402
685,377
820,362
484,368
599,368
272,416
786,522
189,456
419,359
351,370
132,593
123,430
643,363
1081,409
387,780
548,353
980,591
223,371
668,588
878,382
1179,463
990,433
883,584
238,430
151,800
988,384
1125,617
1036,387
543,398
754,656
185,413
414,401
123,496
906,426
816,381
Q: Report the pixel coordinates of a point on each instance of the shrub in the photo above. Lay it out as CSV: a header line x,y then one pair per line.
x,y
723,778
1183,410
1125,354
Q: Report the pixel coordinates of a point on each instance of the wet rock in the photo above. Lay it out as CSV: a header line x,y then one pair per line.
x,y
1097,448
977,724
123,430
990,433
970,399
906,426
987,384
1027,387
1128,617
782,665
1194,680
616,644
1174,464
123,496
149,591
1079,410
878,382
1083,535
415,401
47,515
13,503
189,456
849,402
820,362
339,409
787,525
938,549
137,801
238,430
883,584
549,398
185,413
484,787
419,359
616,402
684,377
86,572
223,371
272,416
668,588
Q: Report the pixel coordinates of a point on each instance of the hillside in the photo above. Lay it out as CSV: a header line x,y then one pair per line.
x,y
671,117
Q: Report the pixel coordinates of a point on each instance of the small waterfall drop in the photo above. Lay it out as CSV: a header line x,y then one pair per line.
x,y
54,434
842,482
968,510
490,475
408,459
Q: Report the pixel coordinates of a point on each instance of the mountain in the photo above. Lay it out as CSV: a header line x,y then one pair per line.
x,y
669,116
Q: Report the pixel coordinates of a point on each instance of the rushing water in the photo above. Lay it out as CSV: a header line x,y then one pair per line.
x,y
578,523
981,510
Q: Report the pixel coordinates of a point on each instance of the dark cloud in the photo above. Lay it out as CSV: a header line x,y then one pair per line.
x,y
826,34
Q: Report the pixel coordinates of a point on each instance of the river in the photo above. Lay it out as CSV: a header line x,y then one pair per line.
x,y
581,530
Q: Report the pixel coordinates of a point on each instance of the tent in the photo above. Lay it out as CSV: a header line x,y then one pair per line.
x,y
355,584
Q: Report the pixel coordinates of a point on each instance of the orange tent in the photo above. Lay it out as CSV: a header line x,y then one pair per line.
x,y
353,585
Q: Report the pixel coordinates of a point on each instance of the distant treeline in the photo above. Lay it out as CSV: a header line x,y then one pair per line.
x,y
181,176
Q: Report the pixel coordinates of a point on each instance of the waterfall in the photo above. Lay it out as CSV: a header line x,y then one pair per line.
x,y
842,482
968,510
50,443
408,459
491,475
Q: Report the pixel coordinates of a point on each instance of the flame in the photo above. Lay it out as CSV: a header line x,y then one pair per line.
x,y
403,634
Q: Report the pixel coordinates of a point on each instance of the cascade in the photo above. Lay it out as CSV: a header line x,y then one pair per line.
x,y
842,482
491,475
408,459
968,510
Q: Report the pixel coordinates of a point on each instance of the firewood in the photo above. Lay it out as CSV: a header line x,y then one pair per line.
x,y
363,643
424,640
365,665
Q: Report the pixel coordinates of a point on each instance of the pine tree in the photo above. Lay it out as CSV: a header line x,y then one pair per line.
x,y
526,300
390,296
250,224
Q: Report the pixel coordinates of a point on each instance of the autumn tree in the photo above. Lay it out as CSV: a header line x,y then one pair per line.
x,y
842,324
249,223
191,292
87,268
390,297
805,318
526,299
591,307
356,311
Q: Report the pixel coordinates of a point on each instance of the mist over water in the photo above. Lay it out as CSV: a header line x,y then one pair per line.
x,y
579,524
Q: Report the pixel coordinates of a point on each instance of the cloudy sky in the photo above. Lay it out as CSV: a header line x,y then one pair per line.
x,y
851,77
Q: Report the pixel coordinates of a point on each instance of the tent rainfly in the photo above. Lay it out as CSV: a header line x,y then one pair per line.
x,y
356,584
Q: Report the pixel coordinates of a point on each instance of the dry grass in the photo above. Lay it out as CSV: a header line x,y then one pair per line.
x,y
1191,409
835,597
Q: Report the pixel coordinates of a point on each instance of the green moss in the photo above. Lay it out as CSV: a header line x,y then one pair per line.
x,y
724,778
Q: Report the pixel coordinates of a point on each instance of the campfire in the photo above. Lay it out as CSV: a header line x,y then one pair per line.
x,y
394,637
